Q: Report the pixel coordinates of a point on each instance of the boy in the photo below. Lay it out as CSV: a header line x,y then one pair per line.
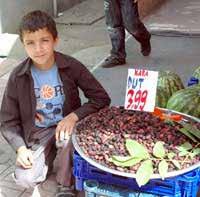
x,y
41,105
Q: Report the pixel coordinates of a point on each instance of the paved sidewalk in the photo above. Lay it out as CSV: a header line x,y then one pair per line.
x,y
176,17
89,43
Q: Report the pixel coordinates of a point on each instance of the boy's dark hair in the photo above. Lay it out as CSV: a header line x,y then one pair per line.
x,y
36,20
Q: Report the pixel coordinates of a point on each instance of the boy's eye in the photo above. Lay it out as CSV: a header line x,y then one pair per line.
x,y
45,40
29,43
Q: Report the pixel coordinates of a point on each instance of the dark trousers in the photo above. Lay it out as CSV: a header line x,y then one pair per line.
x,y
121,15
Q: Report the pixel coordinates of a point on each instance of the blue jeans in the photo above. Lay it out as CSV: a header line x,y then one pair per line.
x,y
121,15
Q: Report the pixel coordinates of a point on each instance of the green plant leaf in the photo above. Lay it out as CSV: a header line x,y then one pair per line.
x,y
171,155
159,150
192,129
169,121
136,150
195,152
191,155
121,158
183,153
184,147
176,164
187,133
163,168
144,172
131,162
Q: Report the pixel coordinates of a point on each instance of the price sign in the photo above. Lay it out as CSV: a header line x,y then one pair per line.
x,y
141,90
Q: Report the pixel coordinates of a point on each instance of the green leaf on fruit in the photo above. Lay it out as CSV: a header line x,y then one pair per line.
x,y
171,155
128,163
169,121
136,150
191,129
144,172
191,155
183,153
184,147
195,152
159,150
176,164
187,133
121,158
163,168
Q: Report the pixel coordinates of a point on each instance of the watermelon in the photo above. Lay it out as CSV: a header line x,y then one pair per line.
x,y
186,101
169,81
161,97
196,73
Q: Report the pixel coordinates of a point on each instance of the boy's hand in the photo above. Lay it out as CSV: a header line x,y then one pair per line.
x,y
24,157
65,127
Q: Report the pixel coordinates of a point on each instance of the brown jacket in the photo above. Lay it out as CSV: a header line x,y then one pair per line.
x,y
17,114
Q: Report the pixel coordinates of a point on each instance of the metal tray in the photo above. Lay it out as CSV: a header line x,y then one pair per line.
x,y
186,118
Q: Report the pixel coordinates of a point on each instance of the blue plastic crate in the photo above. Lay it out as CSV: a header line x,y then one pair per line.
x,y
185,185
193,81
94,189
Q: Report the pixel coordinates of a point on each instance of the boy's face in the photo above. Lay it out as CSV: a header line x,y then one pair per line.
x,y
39,46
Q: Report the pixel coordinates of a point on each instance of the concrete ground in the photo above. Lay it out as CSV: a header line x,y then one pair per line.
x,y
176,17
175,46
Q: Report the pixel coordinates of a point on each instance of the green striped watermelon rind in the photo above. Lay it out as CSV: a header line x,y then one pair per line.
x,y
161,97
186,101
196,73
170,81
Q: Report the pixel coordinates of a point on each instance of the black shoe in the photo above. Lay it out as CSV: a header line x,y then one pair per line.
x,y
146,47
112,61
65,191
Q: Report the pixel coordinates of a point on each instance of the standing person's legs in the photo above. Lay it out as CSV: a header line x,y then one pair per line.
x,y
116,32
133,24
